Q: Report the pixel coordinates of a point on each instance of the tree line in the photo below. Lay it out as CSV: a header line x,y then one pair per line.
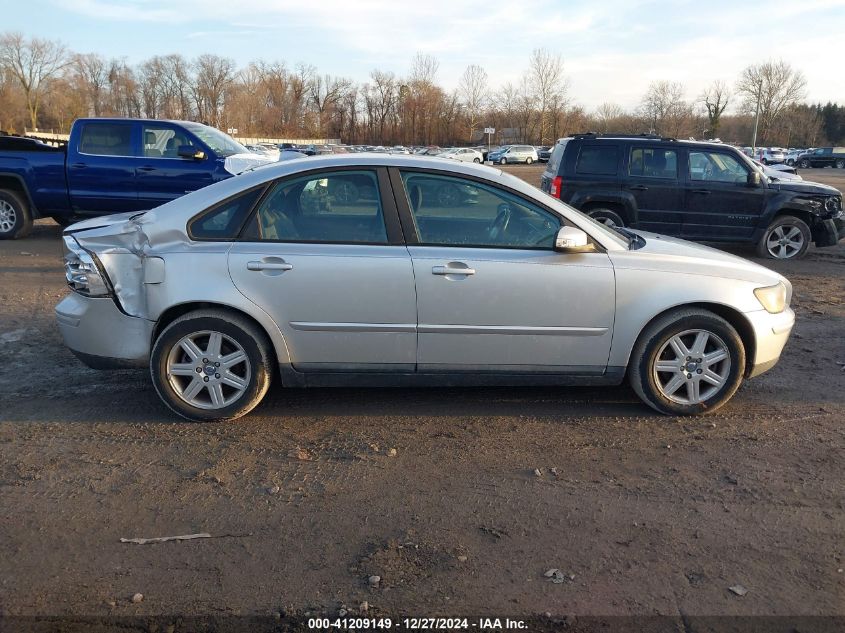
x,y
45,85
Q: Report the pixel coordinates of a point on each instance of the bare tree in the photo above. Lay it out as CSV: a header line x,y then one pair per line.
x,y
715,99
473,91
607,115
92,74
33,63
549,87
214,74
664,108
325,93
773,86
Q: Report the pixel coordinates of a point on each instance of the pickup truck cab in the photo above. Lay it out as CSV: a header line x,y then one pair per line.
x,y
111,166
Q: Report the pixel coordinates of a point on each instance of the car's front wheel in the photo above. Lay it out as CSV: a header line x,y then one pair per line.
x,y
840,163
687,362
787,237
804,164
211,365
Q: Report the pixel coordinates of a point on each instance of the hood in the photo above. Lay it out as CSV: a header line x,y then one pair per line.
x,y
236,163
673,254
805,186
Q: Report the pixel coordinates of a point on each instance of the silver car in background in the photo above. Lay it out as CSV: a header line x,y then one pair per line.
x,y
359,270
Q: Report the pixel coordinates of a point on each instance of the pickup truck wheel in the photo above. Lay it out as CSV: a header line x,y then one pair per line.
x,y
840,163
804,164
211,365
787,237
15,220
687,362
606,217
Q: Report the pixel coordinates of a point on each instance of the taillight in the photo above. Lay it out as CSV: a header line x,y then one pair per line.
x,y
557,183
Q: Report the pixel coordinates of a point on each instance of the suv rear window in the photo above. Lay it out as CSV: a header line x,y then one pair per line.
x,y
600,160
556,156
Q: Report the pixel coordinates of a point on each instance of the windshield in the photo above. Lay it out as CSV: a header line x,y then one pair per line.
x,y
220,143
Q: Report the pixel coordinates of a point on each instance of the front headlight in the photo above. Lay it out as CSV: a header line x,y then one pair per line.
x,y
773,298
82,271
833,204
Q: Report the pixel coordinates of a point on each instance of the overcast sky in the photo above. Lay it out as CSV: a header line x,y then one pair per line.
x,y
611,49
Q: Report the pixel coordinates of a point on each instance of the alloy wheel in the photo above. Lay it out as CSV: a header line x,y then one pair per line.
x,y
784,242
8,217
208,369
692,367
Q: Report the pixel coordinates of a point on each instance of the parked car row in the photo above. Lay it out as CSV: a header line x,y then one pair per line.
x,y
804,158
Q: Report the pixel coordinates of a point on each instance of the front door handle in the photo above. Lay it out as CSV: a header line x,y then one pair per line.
x,y
451,270
79,165
280,266
146,168
638,188
703,192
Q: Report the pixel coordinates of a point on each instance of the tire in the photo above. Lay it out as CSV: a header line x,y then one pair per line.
x,y
253,373
790,162
764,161
529,160
804,164
840,163
476,160
503,161
702,386
15,218
607,217
63,221
781,241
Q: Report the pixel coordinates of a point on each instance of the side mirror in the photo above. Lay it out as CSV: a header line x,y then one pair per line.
x,y
754,179
572,240
189,151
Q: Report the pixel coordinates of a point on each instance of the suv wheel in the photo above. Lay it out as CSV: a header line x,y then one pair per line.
x,y
687,362
787,237
840,163
606,216
476,160
15,221
529,160
804,164
503,161
211,365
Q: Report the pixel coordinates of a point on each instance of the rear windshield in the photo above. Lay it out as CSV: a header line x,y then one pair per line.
x,y
557,156
598,159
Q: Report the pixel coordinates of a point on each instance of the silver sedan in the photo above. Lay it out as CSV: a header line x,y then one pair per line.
x,y
397,270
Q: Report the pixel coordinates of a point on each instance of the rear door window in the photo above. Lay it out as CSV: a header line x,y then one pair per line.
x,y
106,139
652,162
598,160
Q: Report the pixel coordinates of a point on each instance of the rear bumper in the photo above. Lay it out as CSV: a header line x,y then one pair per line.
x,y
771,331
100,335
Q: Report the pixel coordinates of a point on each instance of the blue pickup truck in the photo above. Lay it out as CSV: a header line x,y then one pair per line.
x,y
111,166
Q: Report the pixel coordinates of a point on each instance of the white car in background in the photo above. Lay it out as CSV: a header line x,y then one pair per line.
x,y
463,154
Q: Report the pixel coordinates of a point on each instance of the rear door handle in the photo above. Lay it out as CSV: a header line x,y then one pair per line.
x,y
638,188
451,270
703,192
79,165
147,168
281,266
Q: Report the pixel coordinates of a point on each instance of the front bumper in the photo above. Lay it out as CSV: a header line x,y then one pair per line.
x,y
102,336
771,331
829,232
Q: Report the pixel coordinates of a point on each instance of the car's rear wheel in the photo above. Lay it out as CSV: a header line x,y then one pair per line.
x,y
529,160
476,160
804,164
503,161
606,217
840,163
15,219
211,365
687,362
787,237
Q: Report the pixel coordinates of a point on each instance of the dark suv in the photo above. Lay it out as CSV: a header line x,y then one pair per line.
x,y
698,191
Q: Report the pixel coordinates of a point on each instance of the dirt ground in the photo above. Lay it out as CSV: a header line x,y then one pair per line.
x,y
434,491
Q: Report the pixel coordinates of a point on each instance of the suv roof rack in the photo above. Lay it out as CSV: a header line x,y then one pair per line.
x,y
653,137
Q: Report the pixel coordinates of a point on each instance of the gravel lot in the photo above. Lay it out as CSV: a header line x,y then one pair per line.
x,y
646,515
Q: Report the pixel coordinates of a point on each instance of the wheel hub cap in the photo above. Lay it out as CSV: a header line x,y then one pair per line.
x,y
692,367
